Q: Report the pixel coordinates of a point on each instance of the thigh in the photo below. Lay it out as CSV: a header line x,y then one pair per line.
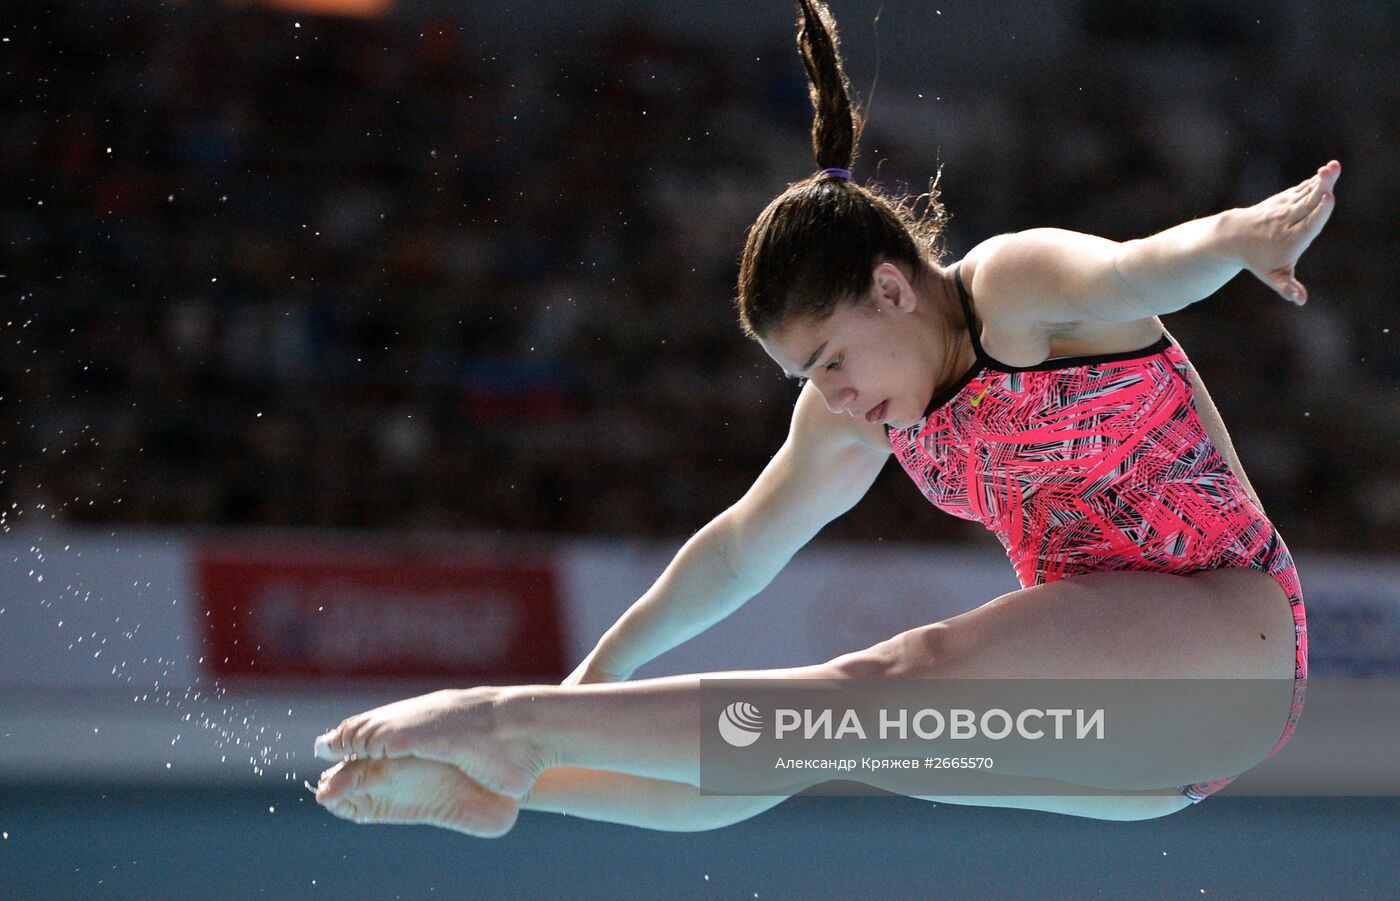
x,y
1144,805
1127,629
1052,796
1217,624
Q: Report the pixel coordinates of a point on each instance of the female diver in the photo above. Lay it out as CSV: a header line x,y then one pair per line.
x,y
1029,386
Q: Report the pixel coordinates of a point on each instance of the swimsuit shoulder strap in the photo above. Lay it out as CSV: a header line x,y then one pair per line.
x,y
973,326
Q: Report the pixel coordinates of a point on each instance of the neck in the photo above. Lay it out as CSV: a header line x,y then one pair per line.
x,y
948,336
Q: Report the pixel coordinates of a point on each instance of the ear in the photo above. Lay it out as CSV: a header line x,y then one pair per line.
x,y
892,289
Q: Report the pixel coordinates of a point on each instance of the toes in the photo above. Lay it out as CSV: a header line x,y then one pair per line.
x,y
336,744
327,746
351,739
347,809
338,782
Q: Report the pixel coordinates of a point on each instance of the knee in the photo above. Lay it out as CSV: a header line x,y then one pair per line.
x,y
701,813
1144,807
921,653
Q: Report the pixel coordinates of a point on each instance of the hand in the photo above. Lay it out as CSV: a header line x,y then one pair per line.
x,y
1275,232
589,674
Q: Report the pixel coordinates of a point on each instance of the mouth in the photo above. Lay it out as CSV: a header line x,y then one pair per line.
x,y
877,412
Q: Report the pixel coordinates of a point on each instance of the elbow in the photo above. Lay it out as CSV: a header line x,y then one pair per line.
x,y
734,552
723,543
1130,302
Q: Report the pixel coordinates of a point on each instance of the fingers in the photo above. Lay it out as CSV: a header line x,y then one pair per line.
x,y
1320,210
1329,174
1310,189
1325,175
1301,189
1304,204
1292,290
1304,231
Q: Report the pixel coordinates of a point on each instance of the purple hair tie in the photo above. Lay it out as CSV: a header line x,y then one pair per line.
x,y
843,174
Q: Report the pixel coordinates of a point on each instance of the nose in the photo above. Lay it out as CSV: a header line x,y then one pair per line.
x,y
838,395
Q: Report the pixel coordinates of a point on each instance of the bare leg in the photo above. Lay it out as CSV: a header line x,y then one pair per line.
x,y
673,806
639,801
1222,624
475,729
411,790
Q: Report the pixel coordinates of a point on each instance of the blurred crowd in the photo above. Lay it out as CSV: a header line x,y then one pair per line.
x,y
262,269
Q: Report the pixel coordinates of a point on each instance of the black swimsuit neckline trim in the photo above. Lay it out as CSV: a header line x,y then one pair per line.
x,y
987,361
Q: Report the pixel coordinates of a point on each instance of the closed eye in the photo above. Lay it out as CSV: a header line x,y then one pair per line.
x,y
832,366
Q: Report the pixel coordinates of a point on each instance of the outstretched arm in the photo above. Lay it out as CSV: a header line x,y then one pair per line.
x,y
1064,276
819,473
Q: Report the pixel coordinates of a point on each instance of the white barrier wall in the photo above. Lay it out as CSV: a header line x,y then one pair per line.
x,y
104,642
76,606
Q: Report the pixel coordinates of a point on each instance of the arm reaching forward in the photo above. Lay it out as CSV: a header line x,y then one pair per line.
x,y
824,467
1062,276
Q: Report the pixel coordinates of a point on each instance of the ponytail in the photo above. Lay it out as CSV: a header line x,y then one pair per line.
x,y
837,125
816,245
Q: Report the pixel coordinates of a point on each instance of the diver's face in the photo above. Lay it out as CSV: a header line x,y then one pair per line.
x,y
869,360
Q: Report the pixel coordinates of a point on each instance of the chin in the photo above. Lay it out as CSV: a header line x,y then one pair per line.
x,y
899,422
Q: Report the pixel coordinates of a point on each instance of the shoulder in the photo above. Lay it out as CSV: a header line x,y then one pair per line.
x,y
1053,275
1044,292
1004,295
1039,274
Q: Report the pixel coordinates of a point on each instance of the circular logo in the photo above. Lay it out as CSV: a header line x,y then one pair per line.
x,y
740,724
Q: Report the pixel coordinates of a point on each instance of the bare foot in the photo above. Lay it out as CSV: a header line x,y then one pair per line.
x,y
409,790
461,727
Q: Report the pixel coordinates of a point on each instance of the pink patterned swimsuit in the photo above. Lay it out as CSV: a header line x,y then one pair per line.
x,y
1095,464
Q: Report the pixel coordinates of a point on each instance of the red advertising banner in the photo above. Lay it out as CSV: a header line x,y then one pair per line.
x,y
330,610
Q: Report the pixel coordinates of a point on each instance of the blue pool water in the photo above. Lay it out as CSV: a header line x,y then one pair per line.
x,y
131,842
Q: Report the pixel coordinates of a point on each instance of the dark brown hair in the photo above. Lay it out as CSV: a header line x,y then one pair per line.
x,y
816,245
